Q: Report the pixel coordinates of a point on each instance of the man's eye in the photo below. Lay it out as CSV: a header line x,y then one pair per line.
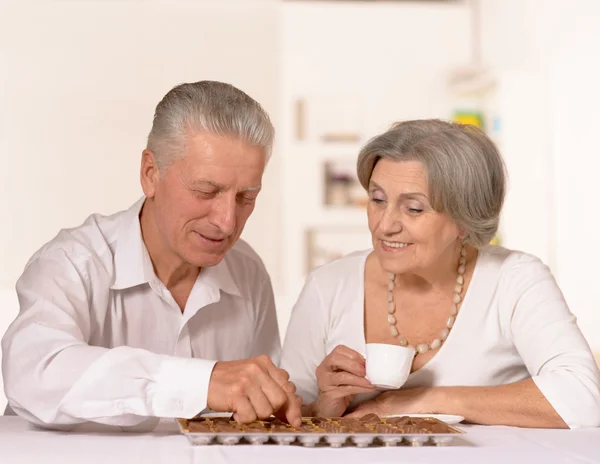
x,y
247,199
203,194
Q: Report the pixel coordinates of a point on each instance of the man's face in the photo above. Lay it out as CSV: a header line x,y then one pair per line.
x,y
203,199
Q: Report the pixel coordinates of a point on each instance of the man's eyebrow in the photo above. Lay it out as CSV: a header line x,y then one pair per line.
x,y
252,189
209,182
218,186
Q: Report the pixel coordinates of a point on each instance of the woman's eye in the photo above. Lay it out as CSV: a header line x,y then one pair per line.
x,y
414,209
376,197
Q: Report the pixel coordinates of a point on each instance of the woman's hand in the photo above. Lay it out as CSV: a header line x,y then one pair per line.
x,y
409,401
340,376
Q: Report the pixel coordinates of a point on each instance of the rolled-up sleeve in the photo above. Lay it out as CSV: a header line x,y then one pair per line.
x,y
551,345
54,378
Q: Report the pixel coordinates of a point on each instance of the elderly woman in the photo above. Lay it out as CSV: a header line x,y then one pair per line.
x,y
495,340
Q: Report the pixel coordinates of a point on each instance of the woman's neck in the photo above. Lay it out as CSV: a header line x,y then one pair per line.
x,y
436,278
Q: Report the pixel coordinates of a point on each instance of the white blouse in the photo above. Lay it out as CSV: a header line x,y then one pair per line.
x,y
99,338
513,324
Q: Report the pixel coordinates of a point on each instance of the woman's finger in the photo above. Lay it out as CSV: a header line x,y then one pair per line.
x,y
342,378
349,353
345,391
339,362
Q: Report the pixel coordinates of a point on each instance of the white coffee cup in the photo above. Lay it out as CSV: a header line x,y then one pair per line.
x,y
388,366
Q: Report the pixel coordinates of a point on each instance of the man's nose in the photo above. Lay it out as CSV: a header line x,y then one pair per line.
x,y
223,214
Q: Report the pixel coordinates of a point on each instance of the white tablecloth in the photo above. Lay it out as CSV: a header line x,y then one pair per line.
x,y
22,443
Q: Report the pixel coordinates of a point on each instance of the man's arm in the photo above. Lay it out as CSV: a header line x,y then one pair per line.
x,y
54,378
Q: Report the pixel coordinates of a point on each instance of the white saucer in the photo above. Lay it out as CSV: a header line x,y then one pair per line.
x,y
447,418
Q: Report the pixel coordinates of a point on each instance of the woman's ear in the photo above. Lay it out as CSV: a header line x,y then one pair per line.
x,y
462,234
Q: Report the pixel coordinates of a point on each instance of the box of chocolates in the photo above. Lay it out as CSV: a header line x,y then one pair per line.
x,y
369,430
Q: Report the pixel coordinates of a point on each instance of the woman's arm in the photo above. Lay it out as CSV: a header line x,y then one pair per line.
x,y
326,382
519,404
551,345
304,344
564,388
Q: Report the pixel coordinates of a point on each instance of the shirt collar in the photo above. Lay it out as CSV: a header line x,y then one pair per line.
x,y
219,277
131,250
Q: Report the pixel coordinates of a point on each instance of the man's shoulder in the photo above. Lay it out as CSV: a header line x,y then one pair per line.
x,y
92,240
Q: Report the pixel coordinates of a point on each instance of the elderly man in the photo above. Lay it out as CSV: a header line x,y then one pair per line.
x,y
159,310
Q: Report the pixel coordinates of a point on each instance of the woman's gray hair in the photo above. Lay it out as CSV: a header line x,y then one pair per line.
x,y
465,171
210,106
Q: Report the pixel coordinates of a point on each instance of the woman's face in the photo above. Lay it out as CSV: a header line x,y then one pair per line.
x,y
409,236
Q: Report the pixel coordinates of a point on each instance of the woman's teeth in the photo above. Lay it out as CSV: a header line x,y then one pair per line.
x,y
395,244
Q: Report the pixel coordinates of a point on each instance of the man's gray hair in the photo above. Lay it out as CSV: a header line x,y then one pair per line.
x,y
465,171
210,106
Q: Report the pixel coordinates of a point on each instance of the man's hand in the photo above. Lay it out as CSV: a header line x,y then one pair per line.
x,y
253,389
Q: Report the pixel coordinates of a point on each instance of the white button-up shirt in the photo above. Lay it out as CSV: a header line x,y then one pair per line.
x,y
100,338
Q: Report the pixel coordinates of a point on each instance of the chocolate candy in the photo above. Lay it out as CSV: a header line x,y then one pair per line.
x,y
370,419
370,423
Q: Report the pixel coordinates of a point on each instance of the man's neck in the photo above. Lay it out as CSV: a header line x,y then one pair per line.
x,y
168,267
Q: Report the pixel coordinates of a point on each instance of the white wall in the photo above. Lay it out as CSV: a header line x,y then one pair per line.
x,y
524,138
392,58
78,85
558,43
575,77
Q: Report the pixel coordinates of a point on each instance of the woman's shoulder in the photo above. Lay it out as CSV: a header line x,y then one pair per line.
x,y
513,269
334,285
508,261
348,265
342,272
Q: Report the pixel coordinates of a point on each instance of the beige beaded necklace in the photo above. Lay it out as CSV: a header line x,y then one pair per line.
x,y
436,343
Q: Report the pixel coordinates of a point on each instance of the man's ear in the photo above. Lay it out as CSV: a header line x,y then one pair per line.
x,y
149,173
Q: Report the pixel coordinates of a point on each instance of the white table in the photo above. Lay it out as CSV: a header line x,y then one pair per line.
x,y
22,443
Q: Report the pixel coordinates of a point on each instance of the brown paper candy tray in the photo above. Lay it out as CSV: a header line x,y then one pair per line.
x,y
317,431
